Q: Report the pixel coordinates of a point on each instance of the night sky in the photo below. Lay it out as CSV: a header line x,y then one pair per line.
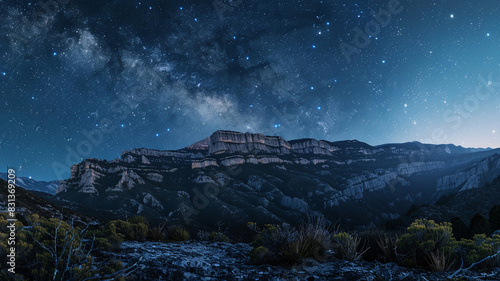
x,y
93,78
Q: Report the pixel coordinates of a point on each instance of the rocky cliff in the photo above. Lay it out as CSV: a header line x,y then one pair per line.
x,y
474,175
240,177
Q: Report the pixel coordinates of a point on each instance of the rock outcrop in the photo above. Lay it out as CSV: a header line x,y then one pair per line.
x,y
234,178
472,176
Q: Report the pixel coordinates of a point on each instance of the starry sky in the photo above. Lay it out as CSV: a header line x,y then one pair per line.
x,y
92,78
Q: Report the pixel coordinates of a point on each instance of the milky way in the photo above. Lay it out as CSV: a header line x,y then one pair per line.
x,y
89,79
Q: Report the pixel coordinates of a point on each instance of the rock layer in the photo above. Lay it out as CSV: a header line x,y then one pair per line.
x,y
240,177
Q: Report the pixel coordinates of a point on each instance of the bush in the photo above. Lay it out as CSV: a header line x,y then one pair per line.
x,y
424,242
218,237
50,249
431,246
157,233
380,245
134,229
53,249
478,248
139,220
258,255
178,233
286,244
348,246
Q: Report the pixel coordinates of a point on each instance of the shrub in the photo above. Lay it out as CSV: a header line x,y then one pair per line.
x,y
23,248
139,220
296,250
53,249
258,255
478,248
178,233
423,239
387,246
157,233
440,260
380,245
286,244
59,250
218,237
348,246
134,229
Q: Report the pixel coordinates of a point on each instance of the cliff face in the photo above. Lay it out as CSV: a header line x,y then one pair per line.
x,y
241,177
473,176
247,143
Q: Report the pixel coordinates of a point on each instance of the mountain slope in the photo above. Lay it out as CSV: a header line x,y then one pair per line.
x,y
32,202
231,178
49,187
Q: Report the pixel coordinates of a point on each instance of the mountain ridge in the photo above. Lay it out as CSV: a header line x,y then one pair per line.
x,y
266,178
49,187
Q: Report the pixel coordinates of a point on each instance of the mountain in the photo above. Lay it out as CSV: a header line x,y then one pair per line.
x,y
231,178
49,187
33,202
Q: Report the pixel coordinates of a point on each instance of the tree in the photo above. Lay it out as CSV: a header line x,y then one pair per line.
x,y
459,228
495,218
479,225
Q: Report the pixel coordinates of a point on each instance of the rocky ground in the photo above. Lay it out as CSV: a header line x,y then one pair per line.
x,y
195,260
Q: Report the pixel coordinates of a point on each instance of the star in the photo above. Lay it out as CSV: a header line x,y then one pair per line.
x,y
383,61
406,105
318,108
452,16
157,134
122,125
4,73
314,46
488,34
54,54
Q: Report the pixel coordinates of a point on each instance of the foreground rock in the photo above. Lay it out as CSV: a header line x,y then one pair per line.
x,y
224,261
